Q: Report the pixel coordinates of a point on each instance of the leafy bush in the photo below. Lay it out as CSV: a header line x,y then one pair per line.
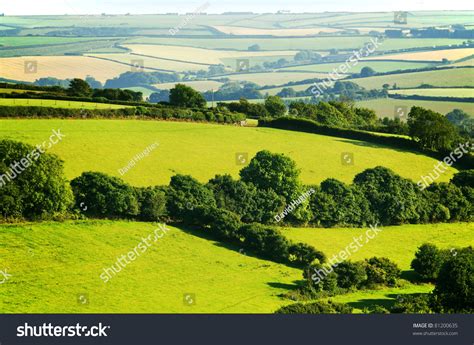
x,y
350,274
381,271
428,261
39,190
152,203
100,195
413,304
184,195
316,308
454,291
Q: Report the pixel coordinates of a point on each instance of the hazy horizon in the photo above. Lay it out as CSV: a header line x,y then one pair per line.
x,y
89,7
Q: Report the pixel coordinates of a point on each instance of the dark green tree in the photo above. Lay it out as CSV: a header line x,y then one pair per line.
x,y
185,96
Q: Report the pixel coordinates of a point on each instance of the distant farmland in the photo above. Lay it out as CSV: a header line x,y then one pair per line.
x,y
385,107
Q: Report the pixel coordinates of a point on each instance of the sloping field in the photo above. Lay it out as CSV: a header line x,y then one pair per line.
x,y
53,264
386,107
378,66
205,150
297,43
244,31
58,104
150,62
399,243
196,55
441,92
61,67
434,55
275,78
441,78
202,85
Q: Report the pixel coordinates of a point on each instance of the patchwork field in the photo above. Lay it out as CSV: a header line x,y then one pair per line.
x,y
243,31
441,92
61,67
203,85
275,78
196,55
378,66
151,62
316,43
205,150
434,55
441,78
385,107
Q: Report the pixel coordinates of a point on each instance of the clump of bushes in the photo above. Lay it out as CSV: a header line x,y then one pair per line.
x,y
319,307
346,276
32,183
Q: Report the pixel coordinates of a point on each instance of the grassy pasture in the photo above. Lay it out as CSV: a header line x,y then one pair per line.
x,y
201,85
441,92
440,78
378,66
385,107
205,149
196,55
314,43
434,55
76,48
275,78
399,243
57,103
52,263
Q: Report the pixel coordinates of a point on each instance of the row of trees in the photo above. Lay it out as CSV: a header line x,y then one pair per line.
x,y
268,185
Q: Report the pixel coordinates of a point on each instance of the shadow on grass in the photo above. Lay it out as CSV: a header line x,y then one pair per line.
x,y
370,303
411,276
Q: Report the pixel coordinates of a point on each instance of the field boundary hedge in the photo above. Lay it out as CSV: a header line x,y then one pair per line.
x,y
209,115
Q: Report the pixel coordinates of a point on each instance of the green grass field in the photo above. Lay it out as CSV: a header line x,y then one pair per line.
x,y
57,103
205,149
385,107
399,243
317,43
52,264
441,78
378,66
441,92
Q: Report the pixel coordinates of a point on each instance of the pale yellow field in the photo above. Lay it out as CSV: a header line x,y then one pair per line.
x,y
238,30
202,85
198,55
435,55
464,63
151,62
276,78
61,67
